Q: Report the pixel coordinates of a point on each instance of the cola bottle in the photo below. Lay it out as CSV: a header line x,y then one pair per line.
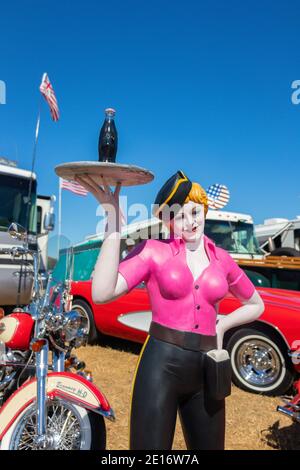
x,y
108,138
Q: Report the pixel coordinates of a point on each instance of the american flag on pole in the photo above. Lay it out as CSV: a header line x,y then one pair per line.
x,y
73,186
47,91
218,196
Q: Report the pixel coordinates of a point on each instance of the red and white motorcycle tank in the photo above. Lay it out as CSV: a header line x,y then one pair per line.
x,y
16,330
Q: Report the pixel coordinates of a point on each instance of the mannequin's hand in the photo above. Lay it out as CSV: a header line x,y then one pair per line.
x,y
104,195
108,199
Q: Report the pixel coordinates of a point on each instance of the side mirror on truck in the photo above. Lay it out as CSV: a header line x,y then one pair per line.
x,y
49,221
17,231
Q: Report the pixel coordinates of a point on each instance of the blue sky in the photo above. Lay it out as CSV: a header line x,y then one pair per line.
x,y
202,86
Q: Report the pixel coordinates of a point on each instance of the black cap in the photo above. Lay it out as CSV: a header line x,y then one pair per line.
x,y
172,193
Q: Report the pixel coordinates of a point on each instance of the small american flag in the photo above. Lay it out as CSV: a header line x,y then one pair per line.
x,y
73,186
49,95
218,196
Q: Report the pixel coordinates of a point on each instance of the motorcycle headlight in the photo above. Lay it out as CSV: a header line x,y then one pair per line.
x,y
72,325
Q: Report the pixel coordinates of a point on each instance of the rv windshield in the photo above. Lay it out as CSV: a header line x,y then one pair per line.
x,y
14,202
235,237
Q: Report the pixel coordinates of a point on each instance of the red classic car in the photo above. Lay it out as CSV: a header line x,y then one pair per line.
x,y
265,354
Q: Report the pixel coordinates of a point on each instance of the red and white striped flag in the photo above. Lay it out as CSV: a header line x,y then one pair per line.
x,y
49,95
73,186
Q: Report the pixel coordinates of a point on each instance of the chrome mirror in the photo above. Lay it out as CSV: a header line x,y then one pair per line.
x,y
49,221
17,231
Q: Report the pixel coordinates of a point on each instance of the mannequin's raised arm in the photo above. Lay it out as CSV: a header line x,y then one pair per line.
x,y
107,283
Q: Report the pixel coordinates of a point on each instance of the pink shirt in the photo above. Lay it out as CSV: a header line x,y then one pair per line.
x,y
177,301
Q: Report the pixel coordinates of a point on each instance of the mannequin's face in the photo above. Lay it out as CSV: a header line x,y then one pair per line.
x,y
189,222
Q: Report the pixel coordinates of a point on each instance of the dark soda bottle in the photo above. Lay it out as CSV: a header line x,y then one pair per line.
x,y
108,138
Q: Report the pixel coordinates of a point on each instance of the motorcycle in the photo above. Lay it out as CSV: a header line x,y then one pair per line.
x,y
47,397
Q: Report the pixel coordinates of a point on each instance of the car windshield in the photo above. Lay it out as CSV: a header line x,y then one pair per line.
x,y
235,237
14,202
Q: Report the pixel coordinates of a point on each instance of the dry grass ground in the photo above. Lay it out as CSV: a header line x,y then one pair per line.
x,y
251,420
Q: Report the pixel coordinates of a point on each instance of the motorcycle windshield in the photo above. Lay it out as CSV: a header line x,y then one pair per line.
x,y
60,259
60,267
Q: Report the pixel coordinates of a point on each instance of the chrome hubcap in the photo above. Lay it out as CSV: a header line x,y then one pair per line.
x,y
258,362
85,321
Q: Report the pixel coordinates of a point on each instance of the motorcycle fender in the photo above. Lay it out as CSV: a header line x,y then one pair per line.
x,y
66,385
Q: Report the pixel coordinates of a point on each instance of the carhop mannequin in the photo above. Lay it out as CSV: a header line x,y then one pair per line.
x,y
186,276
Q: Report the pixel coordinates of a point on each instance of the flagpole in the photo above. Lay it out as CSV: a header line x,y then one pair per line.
x,y
37,131
59,217
37,128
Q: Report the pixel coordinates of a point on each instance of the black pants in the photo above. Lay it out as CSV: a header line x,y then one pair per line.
x,y
170,379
